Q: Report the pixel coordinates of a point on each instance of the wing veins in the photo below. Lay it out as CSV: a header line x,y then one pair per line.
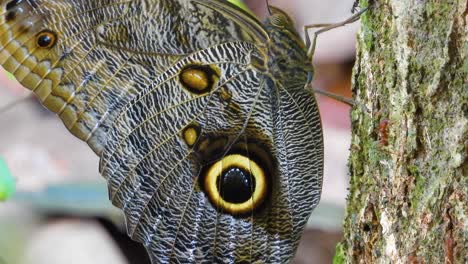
x,y
244,126
117,119
286,154
166,140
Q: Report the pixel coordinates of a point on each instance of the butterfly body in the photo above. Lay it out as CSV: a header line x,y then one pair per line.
x,y
208,139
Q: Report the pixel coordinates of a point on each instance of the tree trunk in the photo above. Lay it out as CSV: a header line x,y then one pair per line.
x,y
409,183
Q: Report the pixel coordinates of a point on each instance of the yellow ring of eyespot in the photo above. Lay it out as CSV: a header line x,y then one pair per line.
x,y
242,162
50,35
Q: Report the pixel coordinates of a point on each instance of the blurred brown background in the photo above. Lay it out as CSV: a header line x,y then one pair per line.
x,y
60,213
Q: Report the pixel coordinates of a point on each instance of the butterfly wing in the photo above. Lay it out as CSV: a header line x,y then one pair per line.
x,y
163,186
83,58
211,160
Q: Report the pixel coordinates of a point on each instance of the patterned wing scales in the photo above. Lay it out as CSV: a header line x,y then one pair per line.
x,y
84,59
211,158
160,185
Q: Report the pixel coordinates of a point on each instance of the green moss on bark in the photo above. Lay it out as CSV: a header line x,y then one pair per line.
x,y
407,195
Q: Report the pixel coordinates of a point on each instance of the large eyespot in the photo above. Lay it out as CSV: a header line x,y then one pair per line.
x,y
236,184
46,39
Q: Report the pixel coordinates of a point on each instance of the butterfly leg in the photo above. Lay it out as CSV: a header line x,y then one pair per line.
x,y
311,44
337,97
340,98
324,28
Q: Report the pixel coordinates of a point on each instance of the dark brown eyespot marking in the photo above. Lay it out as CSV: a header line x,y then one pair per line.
x,y
236,184
199,79
15,14
10,16
13,4
46,39
191,133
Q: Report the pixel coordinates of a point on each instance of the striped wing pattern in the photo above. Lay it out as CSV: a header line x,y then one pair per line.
x,y
114,76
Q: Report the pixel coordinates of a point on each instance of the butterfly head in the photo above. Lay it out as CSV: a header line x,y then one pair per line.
x,y
280,20
287,58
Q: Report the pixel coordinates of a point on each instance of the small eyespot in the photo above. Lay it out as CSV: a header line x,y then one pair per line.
x,y
46,39
199,79
191,133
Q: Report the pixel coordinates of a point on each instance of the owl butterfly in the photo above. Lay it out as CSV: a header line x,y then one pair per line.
x,y
208,140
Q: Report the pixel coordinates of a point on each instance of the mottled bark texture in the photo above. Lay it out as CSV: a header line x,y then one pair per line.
x,y
409,187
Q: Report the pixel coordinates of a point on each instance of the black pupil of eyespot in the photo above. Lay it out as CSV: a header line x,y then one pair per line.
x,y
44,40
236,185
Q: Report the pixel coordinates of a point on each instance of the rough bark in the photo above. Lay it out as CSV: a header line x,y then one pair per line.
x,y
409,183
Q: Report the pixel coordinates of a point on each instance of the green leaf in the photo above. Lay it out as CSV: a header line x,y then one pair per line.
x,y
240,4
7,182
